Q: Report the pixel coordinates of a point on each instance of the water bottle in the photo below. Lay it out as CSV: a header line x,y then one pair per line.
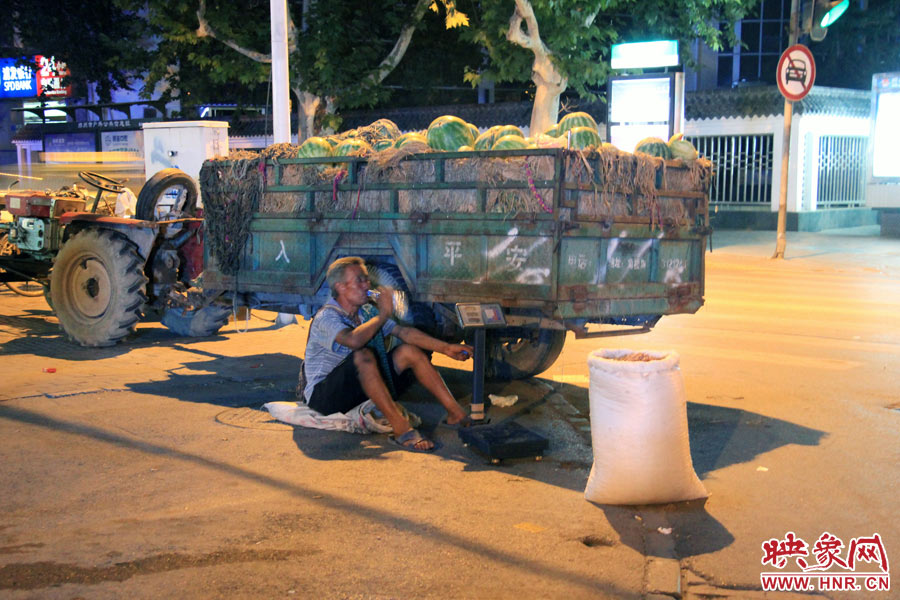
x,y
401,304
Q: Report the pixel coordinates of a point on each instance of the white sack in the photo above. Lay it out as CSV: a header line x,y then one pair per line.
x,y
639,430
126,204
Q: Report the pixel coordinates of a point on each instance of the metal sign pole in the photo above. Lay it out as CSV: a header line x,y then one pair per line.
x,y
781,239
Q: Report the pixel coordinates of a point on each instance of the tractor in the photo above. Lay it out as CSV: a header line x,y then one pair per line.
x,y
102,273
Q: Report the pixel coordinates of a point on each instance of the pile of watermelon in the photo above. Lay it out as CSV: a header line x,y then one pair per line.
x,y
677,147
448,133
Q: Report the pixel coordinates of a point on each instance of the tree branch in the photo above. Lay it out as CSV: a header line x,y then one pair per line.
x,y
204,29
531,37
390,61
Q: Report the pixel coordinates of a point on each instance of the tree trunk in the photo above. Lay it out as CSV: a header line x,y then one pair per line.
x,y
306,114
549,81
549,85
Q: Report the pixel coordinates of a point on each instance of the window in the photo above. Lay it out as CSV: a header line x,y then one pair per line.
x,y
763,37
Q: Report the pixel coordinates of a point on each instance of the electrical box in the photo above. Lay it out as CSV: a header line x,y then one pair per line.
x,y
183,145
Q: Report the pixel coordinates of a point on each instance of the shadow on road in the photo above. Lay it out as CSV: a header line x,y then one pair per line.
x,y
231,381
694,531
41,335
721,436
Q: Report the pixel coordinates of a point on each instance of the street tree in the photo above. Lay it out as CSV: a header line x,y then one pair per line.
x,y
100,42
565,45
339,51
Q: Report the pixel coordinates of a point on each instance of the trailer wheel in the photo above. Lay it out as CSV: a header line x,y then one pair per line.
x,y
417,314
97,287
520,357
204,322
170,194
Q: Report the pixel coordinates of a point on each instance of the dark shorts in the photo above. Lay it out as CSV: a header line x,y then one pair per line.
x,y
341,391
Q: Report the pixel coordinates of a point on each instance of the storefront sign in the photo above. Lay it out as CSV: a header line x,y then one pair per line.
x,y
16,81
112,124
50,75
70,142
44,79
122,141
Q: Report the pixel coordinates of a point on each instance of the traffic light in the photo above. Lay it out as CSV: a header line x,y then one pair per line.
x,y
820,14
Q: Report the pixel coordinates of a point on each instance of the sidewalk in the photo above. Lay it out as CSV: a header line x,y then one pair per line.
x,y
852,247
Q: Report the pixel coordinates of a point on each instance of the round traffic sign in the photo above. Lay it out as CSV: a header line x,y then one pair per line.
x,y
796,72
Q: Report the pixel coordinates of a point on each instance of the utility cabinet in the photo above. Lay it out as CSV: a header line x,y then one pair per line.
x,y
183,145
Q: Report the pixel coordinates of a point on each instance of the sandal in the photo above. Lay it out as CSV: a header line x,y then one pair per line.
x,y
464,423
408,441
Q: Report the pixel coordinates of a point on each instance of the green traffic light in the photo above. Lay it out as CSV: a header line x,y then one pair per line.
x,y
834,14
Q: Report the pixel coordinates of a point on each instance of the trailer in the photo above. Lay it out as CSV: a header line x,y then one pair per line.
x,y
597,242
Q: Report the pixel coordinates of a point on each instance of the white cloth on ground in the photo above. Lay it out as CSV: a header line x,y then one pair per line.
x,y
365,418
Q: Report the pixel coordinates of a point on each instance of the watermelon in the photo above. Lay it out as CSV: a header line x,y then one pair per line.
x,y
653,146
552,132
486,139
352,147
449,133
504,130
382,144
314,147
681,148
510,142
465,149
413,136
385,128
333,141
583,137
474,130
575,119
543,140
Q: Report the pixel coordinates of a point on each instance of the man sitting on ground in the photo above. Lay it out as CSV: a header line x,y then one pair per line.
x,y
342,371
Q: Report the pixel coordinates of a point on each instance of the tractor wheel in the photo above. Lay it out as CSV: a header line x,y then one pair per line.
x,y
170,194
97,287
197,323
520,357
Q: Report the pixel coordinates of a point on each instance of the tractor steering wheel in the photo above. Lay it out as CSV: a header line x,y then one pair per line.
x,y
100,182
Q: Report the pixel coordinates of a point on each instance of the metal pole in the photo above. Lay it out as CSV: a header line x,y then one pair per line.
x,y
477,406
781,240
281,98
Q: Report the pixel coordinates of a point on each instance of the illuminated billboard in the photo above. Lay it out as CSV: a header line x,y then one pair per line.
x,y
42,80
16,81
885,126
643,106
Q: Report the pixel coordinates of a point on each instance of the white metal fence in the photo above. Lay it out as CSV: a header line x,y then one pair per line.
x,y
742,167
841,171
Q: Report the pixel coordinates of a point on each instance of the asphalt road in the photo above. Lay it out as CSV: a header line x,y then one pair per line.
x,y
148,470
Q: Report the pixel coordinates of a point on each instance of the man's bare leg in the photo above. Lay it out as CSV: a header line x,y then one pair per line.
x,y
373,385
410,357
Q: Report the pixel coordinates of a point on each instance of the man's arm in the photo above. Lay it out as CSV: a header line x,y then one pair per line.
x,y
359,336
413,336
